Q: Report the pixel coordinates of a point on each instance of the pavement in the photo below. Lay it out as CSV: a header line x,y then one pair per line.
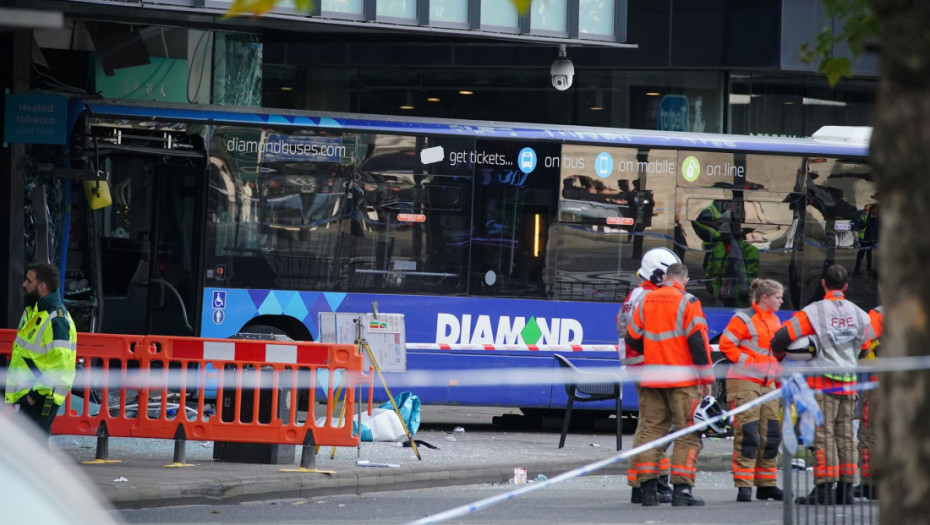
x,y
470,449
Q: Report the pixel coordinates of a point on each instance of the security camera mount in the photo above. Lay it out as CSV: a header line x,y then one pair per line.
x,y
562,71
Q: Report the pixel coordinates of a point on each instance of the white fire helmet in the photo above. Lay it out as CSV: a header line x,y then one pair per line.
x,y
802,349
708,409
654,264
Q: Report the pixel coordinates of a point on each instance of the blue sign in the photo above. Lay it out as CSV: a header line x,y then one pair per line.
x,y
673,113
218,316
526,161
35,119
603,165
219,299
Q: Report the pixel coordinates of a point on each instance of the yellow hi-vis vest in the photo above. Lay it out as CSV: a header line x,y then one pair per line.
x,y
46,340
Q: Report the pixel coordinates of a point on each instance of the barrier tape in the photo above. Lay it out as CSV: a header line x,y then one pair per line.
x,y
592,467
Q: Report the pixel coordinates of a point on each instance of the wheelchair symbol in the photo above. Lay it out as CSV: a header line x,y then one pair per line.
x,y
219,299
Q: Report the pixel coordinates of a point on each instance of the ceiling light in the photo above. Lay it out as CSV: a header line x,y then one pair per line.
x,y
466,92
598,104
408,101
652,93
287,88
432,99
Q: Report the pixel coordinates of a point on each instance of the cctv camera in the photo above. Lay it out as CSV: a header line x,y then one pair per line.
x,y
563,72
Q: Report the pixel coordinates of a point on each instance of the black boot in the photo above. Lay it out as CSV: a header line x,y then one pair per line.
x,y
821,495
650,493
744,494
774,493
865,490
682,497
636,495
664,489
844,493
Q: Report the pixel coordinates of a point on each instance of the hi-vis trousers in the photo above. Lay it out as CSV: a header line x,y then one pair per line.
x,y
756,435
664,406
866,434
834,446
664,463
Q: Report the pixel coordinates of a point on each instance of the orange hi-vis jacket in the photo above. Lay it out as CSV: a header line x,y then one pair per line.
x,y
876,319
747,344
669,329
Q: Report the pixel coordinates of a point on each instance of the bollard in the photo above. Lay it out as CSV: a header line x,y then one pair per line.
x,y
103,446
103,443
308,455
180,444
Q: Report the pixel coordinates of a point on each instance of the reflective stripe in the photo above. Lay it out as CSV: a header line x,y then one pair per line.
x,y
693,325
64,344
663,336
32,347
36,346
633,361
731,337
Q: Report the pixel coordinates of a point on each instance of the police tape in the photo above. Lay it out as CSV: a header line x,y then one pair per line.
x,y
592,467
590,371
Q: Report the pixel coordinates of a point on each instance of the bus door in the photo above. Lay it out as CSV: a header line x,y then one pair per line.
x,y
174,240
150,239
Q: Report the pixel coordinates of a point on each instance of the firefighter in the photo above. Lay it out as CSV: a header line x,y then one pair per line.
x,y
42,366
746,343
652,271
842,330
669,329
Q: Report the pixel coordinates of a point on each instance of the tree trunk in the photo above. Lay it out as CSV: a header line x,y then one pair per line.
x,y
900,152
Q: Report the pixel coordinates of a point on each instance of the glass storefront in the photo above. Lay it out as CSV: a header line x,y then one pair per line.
x,y
796,106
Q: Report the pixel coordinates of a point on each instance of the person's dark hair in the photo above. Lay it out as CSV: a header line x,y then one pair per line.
x,y
676,271
46,273
835,277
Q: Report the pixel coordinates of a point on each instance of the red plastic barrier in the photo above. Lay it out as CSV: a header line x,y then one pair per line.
x,y
258,385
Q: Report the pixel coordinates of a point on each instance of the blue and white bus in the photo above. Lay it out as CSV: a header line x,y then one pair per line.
x,y
500,243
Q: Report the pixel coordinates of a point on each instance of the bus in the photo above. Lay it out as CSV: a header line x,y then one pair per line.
x,y
500,243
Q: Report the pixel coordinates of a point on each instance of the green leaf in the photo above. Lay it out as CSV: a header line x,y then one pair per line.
x,y
835,69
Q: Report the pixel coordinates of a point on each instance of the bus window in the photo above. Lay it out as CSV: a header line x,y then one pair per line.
x,y
411,227
738,235
841,209
515,202
277,207
731,242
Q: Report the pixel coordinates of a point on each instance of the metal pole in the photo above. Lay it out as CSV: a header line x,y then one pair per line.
x,y
787,474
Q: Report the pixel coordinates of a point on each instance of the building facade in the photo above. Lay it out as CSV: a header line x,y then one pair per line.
x,y
686,65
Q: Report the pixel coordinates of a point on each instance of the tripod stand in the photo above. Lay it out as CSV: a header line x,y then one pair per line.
x,y
361,343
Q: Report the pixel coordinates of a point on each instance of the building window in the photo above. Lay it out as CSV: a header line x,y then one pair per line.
x,y
549,16
596,19
397,10
499,16
353,9
448,13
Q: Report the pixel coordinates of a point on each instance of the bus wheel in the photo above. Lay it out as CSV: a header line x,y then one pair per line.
x,y
262,332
